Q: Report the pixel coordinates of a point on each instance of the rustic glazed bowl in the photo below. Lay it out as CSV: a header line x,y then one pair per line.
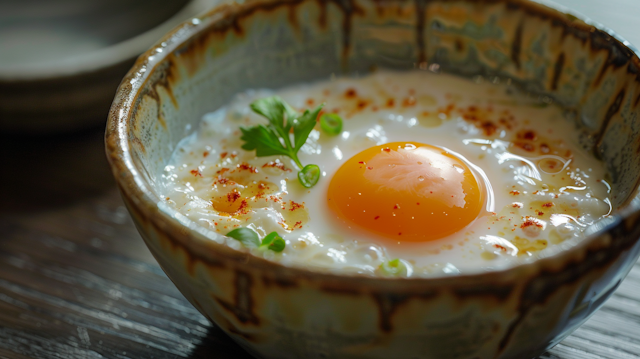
x,y
281,312
61,61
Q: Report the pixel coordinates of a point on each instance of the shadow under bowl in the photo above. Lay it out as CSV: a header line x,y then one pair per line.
x,y
275,311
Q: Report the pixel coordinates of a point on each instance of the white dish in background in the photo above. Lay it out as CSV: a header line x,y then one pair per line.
x,y
62,60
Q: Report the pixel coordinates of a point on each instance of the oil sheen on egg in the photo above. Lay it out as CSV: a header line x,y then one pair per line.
x,y
449,176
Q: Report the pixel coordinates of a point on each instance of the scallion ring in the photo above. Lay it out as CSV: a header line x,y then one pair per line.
x,y
331,123
309,175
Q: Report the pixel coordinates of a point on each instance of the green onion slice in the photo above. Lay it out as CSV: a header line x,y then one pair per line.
x,y
246,236
309,175
274,242
331,124
393,267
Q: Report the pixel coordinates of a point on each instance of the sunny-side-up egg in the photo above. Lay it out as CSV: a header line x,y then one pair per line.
x,y
431,175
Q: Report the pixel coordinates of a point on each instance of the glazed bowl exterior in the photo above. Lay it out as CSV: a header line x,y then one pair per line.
x,y
275,311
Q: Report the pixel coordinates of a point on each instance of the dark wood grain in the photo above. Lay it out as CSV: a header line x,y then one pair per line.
x,y
76,280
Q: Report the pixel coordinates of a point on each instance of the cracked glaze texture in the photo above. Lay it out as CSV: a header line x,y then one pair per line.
x,y
279,312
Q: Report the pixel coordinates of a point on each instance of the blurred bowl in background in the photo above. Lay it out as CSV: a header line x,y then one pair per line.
x,y
61,61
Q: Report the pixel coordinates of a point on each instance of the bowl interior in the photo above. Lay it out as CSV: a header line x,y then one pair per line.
x,y
269,44
547,53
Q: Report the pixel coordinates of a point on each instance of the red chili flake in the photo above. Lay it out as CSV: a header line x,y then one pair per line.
x,y
246,167
275,164
233,155
369,168
243,206
515,193
274,199
205,153
399,233
386,149
529,147
516,205
489,128
470,117
350,93
396,207
223,154
223,180
418,203
196,173
551,164
223,170
374,108
540,213
409,101
293,205
529,222
548,205
362,163
310,102
233,196
472,108
528,135
391,102
376,217
362,104
298,224
500,247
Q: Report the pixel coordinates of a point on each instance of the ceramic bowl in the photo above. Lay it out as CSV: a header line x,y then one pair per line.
x,y
62,60
282,312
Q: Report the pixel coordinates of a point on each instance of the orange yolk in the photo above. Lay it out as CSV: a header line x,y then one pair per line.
x,y
406,192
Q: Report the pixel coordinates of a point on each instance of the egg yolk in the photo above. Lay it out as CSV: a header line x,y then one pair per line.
x,y
406,191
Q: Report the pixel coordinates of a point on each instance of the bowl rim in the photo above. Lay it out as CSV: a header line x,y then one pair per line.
x,y
138,192
101,58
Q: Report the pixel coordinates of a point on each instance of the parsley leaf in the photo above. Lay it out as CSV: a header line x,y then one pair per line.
x,y
263,140
303,125
275,138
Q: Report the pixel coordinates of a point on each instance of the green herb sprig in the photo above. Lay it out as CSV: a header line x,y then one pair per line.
x,y
275,138
250,239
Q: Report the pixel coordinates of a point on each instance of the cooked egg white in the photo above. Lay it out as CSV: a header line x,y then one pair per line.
x,y
448,175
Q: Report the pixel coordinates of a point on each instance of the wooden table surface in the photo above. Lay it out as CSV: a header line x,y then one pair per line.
x,y
76,280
